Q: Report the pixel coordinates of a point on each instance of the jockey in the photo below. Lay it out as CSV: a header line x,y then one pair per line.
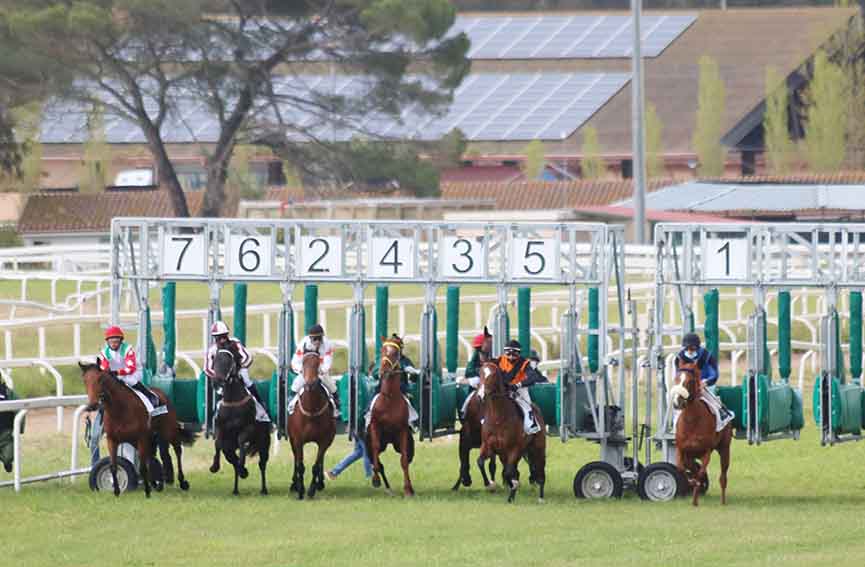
x,y
408,369
692,351
243,359
520,374
316,341
6,421
119,357
472,376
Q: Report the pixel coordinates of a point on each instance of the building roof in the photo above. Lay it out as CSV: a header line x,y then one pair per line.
x,y
747,198
652,215
475,174
92,212
743,42
546,195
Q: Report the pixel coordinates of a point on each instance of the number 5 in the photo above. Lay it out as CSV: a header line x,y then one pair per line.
x,y
538,255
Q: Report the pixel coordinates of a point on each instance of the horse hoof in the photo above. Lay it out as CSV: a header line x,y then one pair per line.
x,y
388,491
264,492
491,487
409,493
214,468
376,483
515,484
467,481
147,494
540,500
184,485
243,473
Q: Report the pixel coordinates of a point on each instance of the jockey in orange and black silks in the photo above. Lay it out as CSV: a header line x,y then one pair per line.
x,y
520,374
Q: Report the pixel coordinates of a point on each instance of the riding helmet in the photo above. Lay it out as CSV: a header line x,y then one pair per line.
x,y
478,341
113,332
691,340
513,344
316,331
218,328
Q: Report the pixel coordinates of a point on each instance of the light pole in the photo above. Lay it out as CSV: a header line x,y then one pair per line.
x,y
638,139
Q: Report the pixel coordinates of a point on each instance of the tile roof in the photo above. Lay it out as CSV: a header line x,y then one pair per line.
x,y
92,212
799,178
653,215
481,173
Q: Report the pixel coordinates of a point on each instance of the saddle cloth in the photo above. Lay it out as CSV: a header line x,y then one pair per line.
x,y
716,407
412,414
292,403
260,413
151,411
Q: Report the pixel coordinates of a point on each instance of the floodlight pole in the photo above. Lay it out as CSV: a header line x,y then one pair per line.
x,y
638,138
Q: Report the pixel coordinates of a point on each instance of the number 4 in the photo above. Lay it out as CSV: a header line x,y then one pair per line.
x,y
396,263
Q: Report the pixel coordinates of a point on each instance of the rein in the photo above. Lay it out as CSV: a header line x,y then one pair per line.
x,y
245,400
306,386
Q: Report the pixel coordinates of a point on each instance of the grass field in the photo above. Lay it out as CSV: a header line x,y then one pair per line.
x,y
790,503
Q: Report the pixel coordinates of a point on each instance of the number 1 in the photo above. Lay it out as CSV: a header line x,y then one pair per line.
x,y
726,249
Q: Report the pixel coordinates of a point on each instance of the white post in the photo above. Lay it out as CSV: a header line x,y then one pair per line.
x,y
76,421
265,329
16,449
638,139
76,340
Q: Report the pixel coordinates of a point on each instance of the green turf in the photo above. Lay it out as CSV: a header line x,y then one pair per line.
x,y
790,503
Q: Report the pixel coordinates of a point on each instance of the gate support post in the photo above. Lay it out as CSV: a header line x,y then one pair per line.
x,y
501,322
285,342
356,358
428,362
213,315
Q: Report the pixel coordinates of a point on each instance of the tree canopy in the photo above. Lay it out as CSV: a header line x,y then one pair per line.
x,y
234,73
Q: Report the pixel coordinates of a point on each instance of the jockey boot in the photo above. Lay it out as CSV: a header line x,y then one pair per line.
x,y
336,405
154,399
253,391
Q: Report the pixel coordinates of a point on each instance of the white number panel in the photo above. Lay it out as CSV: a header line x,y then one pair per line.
x,y
249,255
726,258
461,257
320,256
391,258
534,258
184,255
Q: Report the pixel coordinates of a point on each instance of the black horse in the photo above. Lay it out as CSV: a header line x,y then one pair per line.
x,y
237,433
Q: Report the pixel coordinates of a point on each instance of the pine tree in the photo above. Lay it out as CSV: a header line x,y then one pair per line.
x,y
826,113
710,115
779,146
593,164
533,166
654,143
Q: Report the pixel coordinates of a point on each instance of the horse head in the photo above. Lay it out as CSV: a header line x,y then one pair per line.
x,y
391,352
688,385
310,363
95,384
492,381
224,367
486,350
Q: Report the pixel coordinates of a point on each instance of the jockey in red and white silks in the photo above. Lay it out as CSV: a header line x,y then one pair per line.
x,y
119,357
315,341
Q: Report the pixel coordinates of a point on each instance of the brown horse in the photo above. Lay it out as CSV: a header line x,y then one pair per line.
x,y
126,421
389,419
311,422
502,434
470,432
696,435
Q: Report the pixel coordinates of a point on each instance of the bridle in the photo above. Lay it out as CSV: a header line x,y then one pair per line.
x,y
230,377
385,359
306,386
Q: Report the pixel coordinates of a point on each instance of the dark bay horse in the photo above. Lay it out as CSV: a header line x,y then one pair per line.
x,y
126,420
502,434
237,433
389,419
470,432
311,422
696,435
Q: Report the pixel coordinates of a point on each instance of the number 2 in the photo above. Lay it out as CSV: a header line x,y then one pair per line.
x,y
312,267
188,241
726,249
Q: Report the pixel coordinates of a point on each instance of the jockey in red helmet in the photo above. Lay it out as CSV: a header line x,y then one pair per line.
x,y
119,357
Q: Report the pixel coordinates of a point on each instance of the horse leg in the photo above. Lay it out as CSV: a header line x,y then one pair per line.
x,y
492,467
178,453
167,465
724,452
228,449
242,444
299,469
404,441
509,478
538,460
375,449
214,468
317,471
263,457
112,452
701,474
465,477
485,454
144,458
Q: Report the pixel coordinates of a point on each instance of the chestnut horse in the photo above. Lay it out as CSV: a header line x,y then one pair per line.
x,y
696,435
311,422
388,423
502,434
126,420
470,432
237,433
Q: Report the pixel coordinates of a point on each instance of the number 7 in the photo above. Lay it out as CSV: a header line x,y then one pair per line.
x,y
188,240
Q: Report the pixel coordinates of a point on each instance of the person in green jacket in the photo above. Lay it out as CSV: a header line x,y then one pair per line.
x,y
6,420
483,346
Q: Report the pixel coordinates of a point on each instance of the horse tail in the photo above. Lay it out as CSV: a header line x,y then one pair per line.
x,y
186,436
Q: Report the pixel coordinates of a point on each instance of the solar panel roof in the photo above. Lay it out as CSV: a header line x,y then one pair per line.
x,y
568,36
486,106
